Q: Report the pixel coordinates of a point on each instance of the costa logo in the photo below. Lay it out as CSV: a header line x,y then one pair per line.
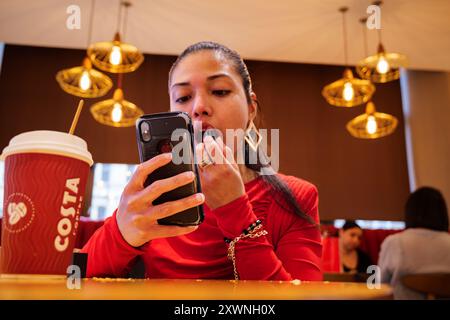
x,y
68,214
16,211
19,212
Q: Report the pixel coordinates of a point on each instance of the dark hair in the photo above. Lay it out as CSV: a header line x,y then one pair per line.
x,y
350,224
228,53
283,195
426,208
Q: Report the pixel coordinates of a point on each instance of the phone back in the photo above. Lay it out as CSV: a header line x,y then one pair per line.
x,y
154,133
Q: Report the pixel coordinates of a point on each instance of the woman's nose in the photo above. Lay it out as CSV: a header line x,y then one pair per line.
x,y
201,107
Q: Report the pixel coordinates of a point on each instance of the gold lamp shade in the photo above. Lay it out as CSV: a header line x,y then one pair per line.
x,y
381,67
84,81
116,112
348,91
372,124
115,56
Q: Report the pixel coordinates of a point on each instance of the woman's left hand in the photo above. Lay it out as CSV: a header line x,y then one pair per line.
x,y
221,181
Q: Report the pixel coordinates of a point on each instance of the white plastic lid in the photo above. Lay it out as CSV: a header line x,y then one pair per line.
x,y
45,141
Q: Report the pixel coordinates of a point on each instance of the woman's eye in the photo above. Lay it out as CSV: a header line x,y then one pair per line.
x,y
221,93
182,99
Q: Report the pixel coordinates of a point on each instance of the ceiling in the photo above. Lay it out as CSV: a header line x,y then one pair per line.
x,y
306,31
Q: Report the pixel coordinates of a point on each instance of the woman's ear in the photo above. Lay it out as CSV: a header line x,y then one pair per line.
x,y
253,107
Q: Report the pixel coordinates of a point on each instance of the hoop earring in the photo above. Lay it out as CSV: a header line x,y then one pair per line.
x,y
252,136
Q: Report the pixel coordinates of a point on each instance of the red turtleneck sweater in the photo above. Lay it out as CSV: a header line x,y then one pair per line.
x,y
292,248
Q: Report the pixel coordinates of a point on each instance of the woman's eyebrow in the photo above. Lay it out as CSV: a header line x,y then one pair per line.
x,y
180,84
219,75
210,78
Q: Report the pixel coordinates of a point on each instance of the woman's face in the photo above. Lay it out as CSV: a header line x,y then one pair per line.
x,y
206,86
351,238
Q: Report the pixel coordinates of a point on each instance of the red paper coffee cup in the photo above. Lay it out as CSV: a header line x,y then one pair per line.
x,y
45,180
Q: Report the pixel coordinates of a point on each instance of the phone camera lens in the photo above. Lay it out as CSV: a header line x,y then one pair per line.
x,y
165,146
145,132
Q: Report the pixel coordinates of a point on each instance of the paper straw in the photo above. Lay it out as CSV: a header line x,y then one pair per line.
x,y
77,115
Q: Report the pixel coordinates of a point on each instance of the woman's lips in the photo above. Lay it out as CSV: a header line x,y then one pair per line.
x,y
202,127
206,126
206,129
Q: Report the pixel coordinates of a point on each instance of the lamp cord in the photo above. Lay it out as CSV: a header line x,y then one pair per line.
x,y
379,35
345,36
119,15
119,80
366,49
122,26
379,3
125,19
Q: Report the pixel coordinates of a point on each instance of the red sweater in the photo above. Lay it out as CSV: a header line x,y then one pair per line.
x,y
292,249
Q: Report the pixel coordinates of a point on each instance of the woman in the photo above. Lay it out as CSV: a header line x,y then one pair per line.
x,y
424,247
353,260
211,83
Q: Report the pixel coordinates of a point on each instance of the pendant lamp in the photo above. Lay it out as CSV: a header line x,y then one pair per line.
x,y
347,91
372,124
383,66
116,56
84,81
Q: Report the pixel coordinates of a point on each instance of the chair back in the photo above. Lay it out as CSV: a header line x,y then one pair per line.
x,y
434,285
331,261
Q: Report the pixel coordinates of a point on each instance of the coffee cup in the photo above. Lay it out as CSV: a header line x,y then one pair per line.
x,y
45,179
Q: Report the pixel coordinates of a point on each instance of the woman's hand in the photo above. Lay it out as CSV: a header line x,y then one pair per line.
x,y
221,181
137,217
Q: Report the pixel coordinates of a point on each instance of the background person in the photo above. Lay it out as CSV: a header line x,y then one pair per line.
x,y
424,247
353,259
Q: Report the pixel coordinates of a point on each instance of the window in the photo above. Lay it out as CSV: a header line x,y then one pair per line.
x,y
2,49
105,169
101,211
109,181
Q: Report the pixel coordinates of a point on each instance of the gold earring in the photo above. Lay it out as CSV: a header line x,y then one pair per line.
x,y
252,136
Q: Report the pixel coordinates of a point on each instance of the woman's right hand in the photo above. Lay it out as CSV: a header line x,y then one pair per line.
x,y
137,217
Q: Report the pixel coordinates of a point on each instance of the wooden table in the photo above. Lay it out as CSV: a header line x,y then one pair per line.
x,y
164,289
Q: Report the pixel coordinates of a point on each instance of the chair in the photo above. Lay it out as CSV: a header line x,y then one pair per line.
x,y
434,285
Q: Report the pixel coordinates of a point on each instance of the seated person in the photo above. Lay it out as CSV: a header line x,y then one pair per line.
x,y
424,247
272,218
353,259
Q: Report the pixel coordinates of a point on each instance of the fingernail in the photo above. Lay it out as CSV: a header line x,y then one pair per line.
x,y
168,155
190,174
199,197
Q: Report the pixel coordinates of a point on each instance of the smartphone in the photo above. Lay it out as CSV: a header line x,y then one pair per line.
x,y
154,133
